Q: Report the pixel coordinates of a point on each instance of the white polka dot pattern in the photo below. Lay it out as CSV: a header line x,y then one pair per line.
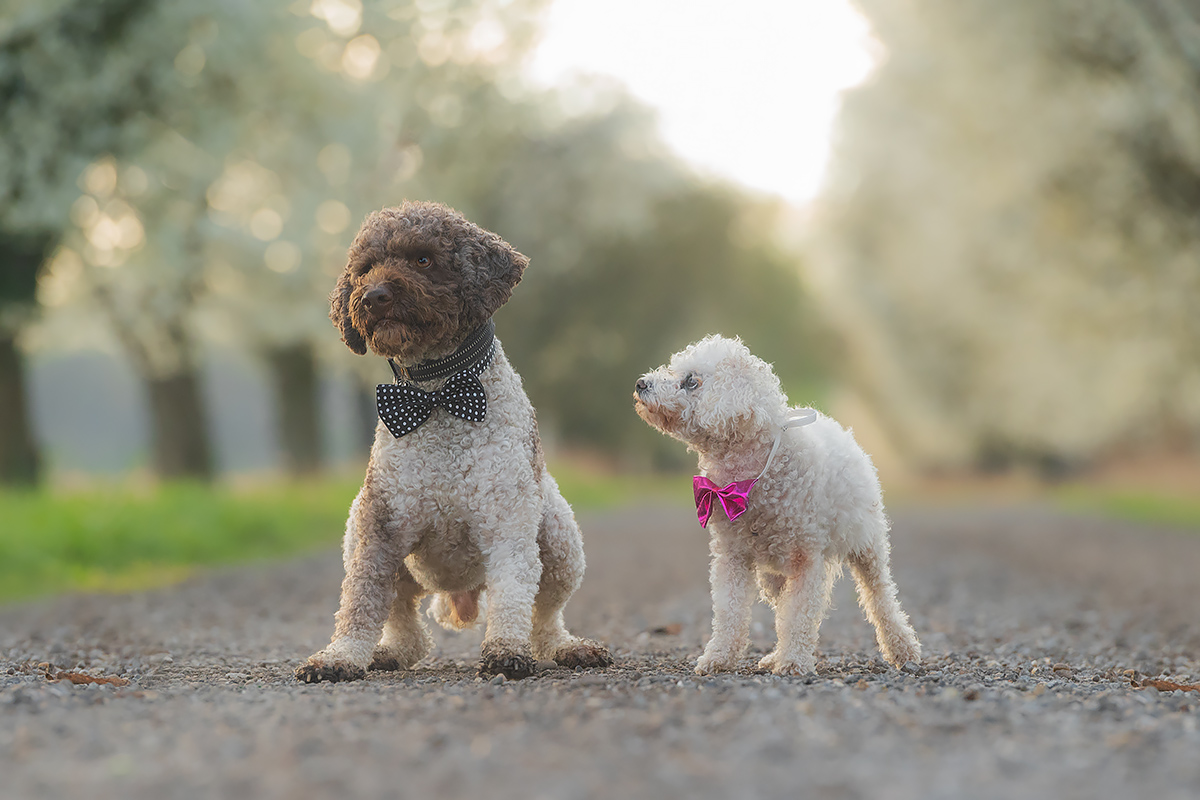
x,y
404,407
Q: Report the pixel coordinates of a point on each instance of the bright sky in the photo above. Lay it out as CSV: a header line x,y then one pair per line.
x,y
747,89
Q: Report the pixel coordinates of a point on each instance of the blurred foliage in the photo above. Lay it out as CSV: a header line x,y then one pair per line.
x,y
703,264
1010,240
224,209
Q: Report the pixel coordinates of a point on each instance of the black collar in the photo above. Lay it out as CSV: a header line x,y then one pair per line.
x,y
472,355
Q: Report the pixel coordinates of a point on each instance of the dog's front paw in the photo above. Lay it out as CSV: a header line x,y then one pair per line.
x,y
583,653
512,660
315,670
784,665
716,661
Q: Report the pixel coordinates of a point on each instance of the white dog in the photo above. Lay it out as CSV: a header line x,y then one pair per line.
x,y
815,505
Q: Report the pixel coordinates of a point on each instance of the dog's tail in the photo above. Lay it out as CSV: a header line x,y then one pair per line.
x,y
455,611
877,596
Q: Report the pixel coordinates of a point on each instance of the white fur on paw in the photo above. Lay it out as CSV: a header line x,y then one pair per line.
x,y
710,664
788,666
900,655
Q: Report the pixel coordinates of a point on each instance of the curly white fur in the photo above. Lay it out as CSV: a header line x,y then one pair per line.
x,y
818,506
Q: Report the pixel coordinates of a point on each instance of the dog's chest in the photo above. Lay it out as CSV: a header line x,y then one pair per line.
x,y
447,456
778,520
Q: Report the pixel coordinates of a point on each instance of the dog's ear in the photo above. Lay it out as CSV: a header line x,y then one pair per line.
x,y
339,313
497,268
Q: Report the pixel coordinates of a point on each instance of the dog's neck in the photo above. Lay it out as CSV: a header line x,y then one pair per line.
x,y
477,347
742,457
746,457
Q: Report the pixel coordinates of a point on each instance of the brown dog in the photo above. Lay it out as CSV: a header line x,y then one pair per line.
x,y
457,499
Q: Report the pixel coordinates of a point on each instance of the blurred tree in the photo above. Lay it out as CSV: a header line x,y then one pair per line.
x,y
151,287
358,96
283,123
1010,238
20,258
58,64
632,257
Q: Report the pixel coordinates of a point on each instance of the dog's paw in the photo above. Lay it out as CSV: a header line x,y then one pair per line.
x,y
583,653
384,660
513,661
902,652
317,671
712,663
782,665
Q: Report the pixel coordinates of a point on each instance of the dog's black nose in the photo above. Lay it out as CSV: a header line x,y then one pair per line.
x,y
377,299
641,386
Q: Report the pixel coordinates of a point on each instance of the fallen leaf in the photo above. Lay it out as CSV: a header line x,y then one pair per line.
x,y
79,678
1169,686
670,629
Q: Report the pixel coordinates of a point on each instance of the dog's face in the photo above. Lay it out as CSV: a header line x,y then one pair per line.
x,y
713,393
418,279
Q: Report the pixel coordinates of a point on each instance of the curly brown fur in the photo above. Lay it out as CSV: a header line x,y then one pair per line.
x,y
585,653
455,507
444,274
513,660
315,673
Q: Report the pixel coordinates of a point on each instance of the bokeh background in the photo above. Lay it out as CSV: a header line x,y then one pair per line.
x,y
969,229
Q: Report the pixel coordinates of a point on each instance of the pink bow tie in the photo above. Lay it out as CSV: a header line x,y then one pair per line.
x,y
733,497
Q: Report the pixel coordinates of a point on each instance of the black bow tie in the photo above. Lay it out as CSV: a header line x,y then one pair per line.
x,y
404,407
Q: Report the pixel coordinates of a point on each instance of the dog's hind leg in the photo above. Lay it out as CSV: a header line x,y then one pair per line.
x,y
561,549
877,596
405,640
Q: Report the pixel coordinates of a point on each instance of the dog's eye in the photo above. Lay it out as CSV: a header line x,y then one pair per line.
x,y
423,261
689,382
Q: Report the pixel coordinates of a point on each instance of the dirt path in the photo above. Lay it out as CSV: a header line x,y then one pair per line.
x,y
1029,620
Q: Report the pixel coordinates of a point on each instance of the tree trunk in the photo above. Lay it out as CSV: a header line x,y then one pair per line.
x,y
21,256
19,464
297,407
181,444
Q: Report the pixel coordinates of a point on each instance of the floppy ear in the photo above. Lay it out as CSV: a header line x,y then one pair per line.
x,y
339,313
498,271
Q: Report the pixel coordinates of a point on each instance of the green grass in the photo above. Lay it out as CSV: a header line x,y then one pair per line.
x,y
125,539
1148,507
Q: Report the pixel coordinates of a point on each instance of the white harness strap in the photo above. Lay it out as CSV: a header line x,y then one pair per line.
x,y
800,418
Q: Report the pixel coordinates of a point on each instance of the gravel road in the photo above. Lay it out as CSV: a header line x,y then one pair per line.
x,y
1031,623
